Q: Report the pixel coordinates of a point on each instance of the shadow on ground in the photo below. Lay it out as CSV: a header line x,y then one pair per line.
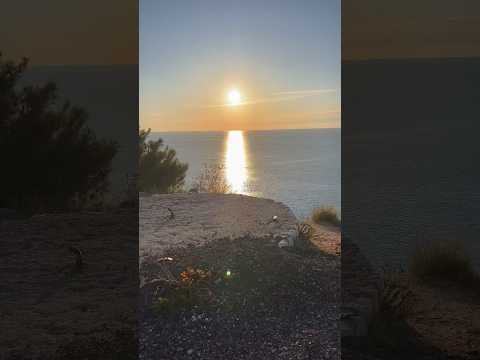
x,y
257,302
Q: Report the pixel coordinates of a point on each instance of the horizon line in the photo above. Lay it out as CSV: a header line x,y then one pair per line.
x,y
246,130
410,58
31,65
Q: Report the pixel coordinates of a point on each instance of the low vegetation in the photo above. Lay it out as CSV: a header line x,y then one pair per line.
x,y
53,160
160,171
224,275
442,260
397,293
191,288
326,214
212,179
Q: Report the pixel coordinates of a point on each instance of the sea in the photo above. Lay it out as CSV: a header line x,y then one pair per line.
x,y
301,168
410,156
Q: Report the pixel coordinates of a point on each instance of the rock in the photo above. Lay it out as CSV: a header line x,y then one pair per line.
x,y
283,243
292,237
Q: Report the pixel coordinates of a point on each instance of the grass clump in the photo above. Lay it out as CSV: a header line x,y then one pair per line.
x,y
442,260
212,179
189,290
326,214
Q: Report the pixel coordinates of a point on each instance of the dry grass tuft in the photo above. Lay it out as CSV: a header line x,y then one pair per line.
x,y
326,214
212,179
443,260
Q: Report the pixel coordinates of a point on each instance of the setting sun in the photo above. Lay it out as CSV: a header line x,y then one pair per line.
x,y
234,97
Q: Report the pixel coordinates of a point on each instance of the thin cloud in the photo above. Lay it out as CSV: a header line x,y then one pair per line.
x,y
278,97
306,92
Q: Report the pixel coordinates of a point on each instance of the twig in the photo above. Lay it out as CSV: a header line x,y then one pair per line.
x,y
78,257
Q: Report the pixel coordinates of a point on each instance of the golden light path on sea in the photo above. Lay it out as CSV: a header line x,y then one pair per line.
x,y
236,162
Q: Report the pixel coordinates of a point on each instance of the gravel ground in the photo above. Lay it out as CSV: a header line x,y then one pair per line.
x,y
276,303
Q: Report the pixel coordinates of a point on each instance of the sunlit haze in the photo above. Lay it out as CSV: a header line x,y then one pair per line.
x,y
239,65
234,97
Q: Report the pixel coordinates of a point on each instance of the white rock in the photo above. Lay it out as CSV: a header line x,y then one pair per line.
x,y
292,237
283,243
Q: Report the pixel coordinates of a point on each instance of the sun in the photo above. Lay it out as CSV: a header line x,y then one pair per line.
x,y
234,97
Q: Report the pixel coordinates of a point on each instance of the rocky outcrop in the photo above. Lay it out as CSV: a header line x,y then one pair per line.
x,y
173,220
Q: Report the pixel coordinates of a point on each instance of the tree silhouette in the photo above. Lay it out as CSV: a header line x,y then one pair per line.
x,y
159,168
50,159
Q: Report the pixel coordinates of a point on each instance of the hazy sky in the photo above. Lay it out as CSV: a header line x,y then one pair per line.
x,y
379,29
59,32
282,56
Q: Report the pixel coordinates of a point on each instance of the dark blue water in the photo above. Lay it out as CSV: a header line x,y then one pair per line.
x,y
300,168
410,155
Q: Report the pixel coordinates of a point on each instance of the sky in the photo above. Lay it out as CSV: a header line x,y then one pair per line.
x,y
59,32
282,56
379,29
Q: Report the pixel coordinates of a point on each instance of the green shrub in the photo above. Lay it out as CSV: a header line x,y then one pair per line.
x,y
159,169
50,159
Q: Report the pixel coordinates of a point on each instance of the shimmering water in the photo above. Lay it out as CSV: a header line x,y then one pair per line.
x,y
300,168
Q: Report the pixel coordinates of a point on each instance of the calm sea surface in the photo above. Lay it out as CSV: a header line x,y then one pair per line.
x,y
410,160
300,168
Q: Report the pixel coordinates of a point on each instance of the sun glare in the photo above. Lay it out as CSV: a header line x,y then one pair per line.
x,y
234,97
236,161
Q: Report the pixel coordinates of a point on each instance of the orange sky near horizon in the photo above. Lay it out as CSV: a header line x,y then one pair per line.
x,y
280,59
278,111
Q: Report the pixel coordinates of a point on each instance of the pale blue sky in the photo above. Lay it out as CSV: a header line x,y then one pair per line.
x,y
192,52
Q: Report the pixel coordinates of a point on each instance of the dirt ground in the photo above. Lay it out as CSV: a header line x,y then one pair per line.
x,y
448,317
441,321
200,218
50,308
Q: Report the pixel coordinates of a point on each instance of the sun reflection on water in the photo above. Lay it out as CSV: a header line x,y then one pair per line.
x,y
236,162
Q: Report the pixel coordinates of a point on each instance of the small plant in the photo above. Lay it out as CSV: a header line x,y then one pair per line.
x,y
325,214
191,289
397,294
162,305
304,234
212,179
442,260
193,276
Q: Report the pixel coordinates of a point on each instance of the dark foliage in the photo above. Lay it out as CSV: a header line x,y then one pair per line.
x,y
50,159
160,170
